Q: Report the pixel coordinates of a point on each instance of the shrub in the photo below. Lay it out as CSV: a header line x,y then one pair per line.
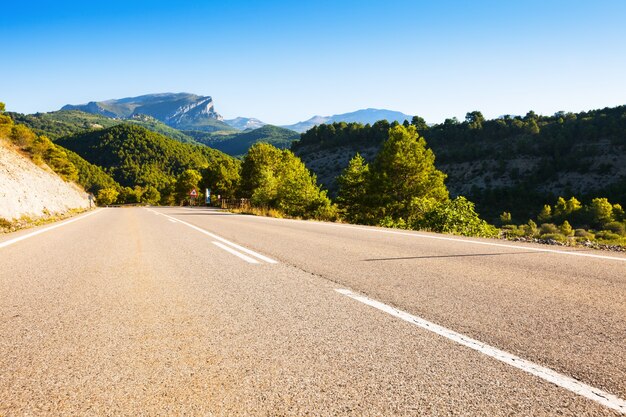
x,y
616,227
548,228
584,234
554,236
607,235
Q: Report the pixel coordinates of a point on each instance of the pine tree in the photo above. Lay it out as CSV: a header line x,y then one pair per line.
x,y
353,189
404,169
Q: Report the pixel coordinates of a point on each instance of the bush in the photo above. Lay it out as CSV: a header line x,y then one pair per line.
x,y
548,228
457,217
584,234
554,236
607,235
616,227
511,230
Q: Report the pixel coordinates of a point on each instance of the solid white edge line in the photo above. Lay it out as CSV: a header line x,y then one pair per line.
x,y
47,229
221,239
449,239
563,381
234,252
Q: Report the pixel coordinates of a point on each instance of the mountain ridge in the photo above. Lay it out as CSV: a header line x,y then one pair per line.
x,y
178,110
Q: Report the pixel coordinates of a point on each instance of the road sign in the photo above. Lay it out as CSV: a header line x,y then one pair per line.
x,y
193,193
207,196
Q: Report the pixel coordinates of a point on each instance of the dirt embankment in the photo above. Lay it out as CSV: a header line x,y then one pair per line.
x,y
28,190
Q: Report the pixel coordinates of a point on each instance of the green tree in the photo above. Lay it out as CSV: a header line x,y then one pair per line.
x,y
187,181
353,189
566,229
545,215
419,123
278,179
150,195
601,212
261,156
107,196
505,217
404,169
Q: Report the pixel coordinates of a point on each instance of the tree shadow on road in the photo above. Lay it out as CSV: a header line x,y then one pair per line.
x,y
448,256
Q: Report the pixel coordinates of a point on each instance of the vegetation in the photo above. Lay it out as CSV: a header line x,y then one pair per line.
x,y
570,222
147,164
404,189
68,122
512,163
277,179
238,143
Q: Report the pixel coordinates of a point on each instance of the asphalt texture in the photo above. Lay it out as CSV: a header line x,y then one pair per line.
x,y
130,312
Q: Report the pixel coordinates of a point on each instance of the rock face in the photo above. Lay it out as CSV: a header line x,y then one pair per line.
x,y
29,190
179,110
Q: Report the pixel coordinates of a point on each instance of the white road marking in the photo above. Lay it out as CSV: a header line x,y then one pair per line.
x,y
436,237
571,384
173,221
234,252
47,229
221,239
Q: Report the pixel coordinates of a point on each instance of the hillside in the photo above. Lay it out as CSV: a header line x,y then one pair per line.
x,y
135,156
35,176
68,122
27,189
514,164
238,143
178,110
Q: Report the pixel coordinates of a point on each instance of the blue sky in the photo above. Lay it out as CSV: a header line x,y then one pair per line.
x,y
285,61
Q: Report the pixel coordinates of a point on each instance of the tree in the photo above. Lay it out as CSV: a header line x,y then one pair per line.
x,y
353,189
475,120
566,229
403,170
545,215
505,217
187,181
601,212
107,196
419,123
150,195
280,180
260,156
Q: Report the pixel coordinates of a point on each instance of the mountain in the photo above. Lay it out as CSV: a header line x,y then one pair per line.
x,y
237,144
178,110
245,123
363,116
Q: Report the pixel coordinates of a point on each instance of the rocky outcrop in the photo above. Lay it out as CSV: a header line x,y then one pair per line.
x,y
178,110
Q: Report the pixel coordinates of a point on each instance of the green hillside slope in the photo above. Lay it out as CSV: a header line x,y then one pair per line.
x,y
68,122
514,164
239,143
135,156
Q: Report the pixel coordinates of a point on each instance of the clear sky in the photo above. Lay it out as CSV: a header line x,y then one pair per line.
x,y
285,61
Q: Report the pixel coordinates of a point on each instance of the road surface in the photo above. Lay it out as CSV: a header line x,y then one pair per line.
x,y
178,311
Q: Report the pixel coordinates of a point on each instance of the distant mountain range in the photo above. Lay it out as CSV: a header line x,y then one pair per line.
x,y
364,116
186,111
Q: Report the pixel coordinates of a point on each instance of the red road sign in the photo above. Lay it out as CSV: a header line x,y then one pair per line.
x,y
193,193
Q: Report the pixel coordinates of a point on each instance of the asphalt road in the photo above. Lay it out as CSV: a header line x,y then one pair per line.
x,y
175,311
